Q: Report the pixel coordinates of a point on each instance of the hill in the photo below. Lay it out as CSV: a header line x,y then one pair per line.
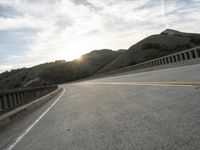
x,y
58,71
167,42
99,61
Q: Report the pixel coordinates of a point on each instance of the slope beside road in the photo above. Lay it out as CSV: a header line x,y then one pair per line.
x,y
149,110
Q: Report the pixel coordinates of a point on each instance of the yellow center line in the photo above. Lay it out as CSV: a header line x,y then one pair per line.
x,y
177,84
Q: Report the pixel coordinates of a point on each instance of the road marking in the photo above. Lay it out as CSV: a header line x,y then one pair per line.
x,y
34,123
165,84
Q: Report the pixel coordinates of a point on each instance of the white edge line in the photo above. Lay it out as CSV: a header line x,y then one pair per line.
x,y
34,123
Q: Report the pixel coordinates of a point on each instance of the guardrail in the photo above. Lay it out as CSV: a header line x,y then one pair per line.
x,y
12,99
186,57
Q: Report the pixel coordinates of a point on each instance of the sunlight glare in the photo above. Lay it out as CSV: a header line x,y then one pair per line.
x,y
73,56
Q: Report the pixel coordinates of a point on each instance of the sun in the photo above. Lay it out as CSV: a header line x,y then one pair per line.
x,y
79,58
75,51
73,56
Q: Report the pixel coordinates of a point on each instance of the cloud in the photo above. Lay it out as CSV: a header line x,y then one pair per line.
x,y
8,11
1,50
63,29
5,67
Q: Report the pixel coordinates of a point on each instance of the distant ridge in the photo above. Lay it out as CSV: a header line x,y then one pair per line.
x,y
170,32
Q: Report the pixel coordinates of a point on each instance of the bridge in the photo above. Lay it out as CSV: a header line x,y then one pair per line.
x,y
152,105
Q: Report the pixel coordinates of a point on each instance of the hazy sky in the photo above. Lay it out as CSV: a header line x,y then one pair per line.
x,y
37,31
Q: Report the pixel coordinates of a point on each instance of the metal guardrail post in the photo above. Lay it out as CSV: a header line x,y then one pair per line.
x,y
10,100
177,58
171,59
195,53
186,56
174,59
181,56
14,99
22,97
19,99
29,95
1,103
5,102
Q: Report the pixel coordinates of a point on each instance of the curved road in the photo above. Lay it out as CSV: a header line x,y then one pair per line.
x,y
143,111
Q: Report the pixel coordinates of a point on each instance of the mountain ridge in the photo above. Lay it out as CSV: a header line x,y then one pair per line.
x,y
99,61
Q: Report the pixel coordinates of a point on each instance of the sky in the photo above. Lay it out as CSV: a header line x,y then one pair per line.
x,y
38,31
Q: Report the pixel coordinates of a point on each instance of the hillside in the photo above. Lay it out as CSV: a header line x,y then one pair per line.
x,y
99,61
58,71
167,42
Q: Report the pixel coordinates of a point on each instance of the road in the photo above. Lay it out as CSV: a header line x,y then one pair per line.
x,y
143,111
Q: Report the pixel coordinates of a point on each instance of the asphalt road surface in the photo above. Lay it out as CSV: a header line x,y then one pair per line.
x,y
143,111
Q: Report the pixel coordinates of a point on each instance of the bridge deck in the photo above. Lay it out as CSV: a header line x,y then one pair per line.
x,y
91,115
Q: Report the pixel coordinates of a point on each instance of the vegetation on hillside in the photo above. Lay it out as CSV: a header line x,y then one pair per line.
x,y
58,71
168,42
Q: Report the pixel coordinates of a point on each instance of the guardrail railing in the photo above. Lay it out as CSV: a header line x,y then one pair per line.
x,y
12,99
186,57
